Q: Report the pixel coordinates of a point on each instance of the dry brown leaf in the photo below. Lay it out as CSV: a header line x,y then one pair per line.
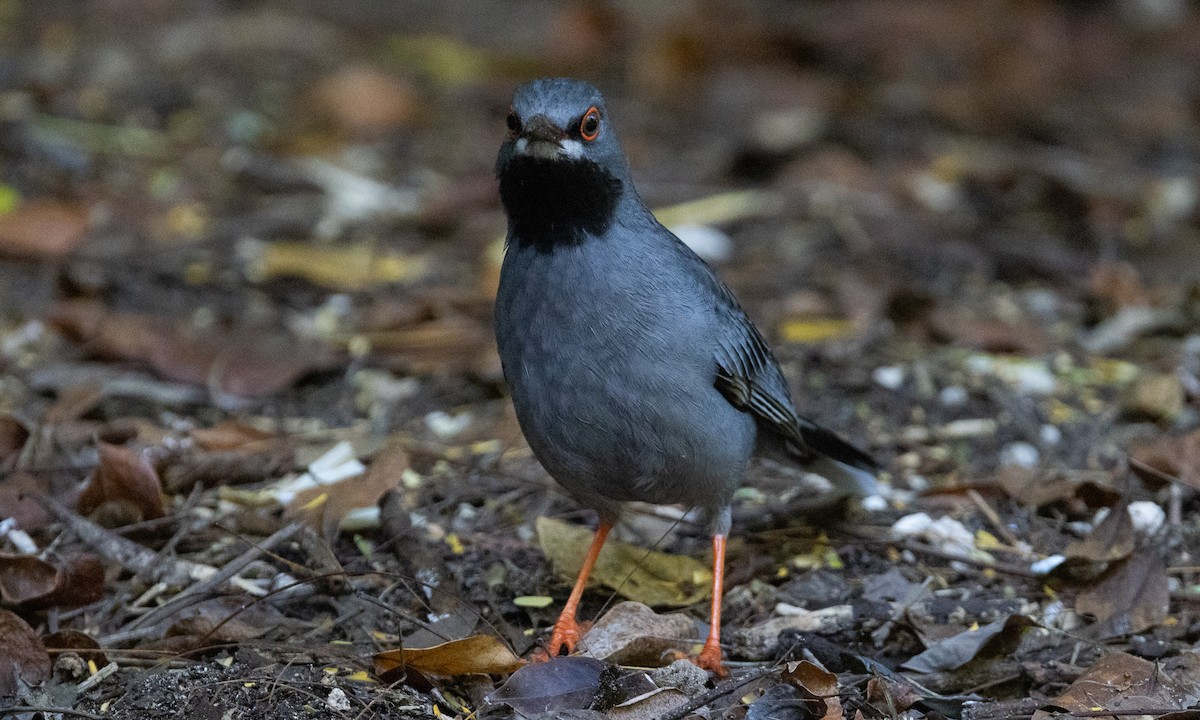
x,y
42,229
652,578
323,507
29,581
247,362
123,477
1177,457
633,634
819,686
13,435
23,659
1123,683
1110,540
74,641
1078,490
17,494
231,435
1131,597
363,100
477,654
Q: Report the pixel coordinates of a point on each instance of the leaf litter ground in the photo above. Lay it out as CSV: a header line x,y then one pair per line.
x,y
257,461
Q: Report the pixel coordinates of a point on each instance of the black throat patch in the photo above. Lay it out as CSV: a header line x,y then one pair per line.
x,y
557,202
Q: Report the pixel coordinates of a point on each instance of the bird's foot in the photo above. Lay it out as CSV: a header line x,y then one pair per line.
x,y
567,631
710,659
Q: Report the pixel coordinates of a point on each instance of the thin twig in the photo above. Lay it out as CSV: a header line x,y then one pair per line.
x,y
726,688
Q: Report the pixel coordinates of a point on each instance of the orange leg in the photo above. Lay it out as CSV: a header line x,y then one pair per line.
x,y
710,656
566,630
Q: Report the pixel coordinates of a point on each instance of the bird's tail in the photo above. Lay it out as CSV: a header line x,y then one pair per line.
x,y
850,469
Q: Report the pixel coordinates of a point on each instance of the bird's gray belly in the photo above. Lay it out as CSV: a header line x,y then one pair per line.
x,y
622,418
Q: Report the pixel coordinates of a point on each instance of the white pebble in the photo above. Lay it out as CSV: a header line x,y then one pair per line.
x,y
889,376
445,425
337,700
1147,516
953,396
874,503
1050,434
1045,565
1019,454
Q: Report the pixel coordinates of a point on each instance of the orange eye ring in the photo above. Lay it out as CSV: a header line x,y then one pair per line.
x,y
589,124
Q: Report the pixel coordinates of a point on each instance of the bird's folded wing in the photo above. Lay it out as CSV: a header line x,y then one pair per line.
x,y
749,377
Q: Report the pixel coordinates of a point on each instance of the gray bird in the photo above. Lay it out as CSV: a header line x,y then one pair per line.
x,y
634,372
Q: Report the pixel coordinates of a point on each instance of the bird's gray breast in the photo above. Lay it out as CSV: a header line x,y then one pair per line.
x,y
610,364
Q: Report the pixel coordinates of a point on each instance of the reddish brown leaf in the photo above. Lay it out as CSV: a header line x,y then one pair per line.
x,y
1131,597
13,435
28,581
126,477
24,578
42,229
23,660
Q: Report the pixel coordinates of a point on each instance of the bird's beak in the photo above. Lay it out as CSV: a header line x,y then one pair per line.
x,y
542,139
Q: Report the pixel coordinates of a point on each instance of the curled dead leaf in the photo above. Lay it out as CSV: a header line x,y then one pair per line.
x,y
123,476
23,659
29,581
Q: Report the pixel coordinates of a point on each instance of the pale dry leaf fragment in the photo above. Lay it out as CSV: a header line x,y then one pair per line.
x,y
652,578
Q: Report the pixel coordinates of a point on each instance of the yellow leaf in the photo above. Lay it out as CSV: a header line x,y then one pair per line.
x,y
635,573
474,655
814,329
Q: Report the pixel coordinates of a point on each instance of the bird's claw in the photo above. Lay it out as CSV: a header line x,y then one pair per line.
x,y
567,632
710,659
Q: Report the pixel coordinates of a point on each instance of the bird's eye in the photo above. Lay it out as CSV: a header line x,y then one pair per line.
x,y
589,125
513,122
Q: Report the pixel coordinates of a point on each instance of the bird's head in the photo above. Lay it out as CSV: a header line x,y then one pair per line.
x,y
560,166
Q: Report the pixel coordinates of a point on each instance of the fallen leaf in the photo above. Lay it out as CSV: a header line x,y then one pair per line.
x,y
652,578
231,435
991,640
559,684
13,435
126,477
649,706
42,229
478,654
1177,457
364,100
1079,490
242,361
633,634
323,507
28,581
74,641
23,659
818,686
17,493
1123,683
1132,596
1112,539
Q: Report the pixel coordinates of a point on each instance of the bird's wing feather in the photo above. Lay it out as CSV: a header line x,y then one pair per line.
x,y
749,377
